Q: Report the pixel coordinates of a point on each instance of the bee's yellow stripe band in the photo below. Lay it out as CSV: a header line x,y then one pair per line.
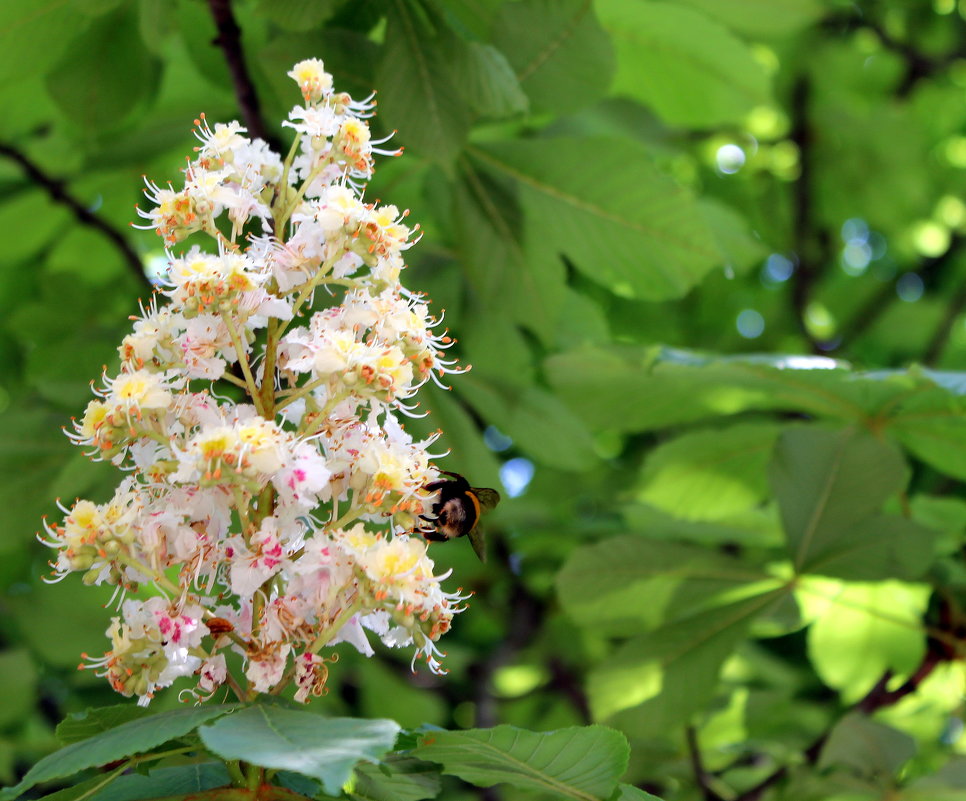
x,y
476,505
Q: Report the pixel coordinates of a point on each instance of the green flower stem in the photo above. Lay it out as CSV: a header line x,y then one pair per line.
x,y
231,379
277,221
333,628
320,642
235,771
156,576
300,392
347,518
307,289
324,413
241,504
280,222
255,776
243,361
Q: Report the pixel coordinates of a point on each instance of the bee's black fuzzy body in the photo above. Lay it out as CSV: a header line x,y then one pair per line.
x,y
457,511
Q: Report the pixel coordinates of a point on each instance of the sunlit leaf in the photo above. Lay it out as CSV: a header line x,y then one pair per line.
x,y
632,578
25,23
690,69
656,681
859,631
761,17
710,474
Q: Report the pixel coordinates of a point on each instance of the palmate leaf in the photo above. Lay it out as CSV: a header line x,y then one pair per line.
x,y
103,92
830,485
24,24
605,387
633,578
416,94
624,224
931,424
135,737
709,474
689,68
581,762
508,267
84,725
158,783
924,411
628,792
562,57
859,631
740,250
867,748
485,80
299,741
761,17
657,680
396,779
828,481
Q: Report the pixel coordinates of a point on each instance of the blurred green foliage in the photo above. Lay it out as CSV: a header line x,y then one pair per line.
x,y
707,260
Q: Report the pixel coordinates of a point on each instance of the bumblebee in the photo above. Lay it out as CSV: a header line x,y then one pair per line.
x,y
458,511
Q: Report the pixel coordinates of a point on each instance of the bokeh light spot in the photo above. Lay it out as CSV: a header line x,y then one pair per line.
x,y
750,324
909,287
729,159
516,475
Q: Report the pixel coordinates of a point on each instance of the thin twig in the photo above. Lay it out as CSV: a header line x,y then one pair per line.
x,y
57,190
877,698
701,776
229,40
919,65
881,299
957,304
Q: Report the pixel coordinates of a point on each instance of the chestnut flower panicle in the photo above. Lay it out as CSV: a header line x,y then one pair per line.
x,y
273,498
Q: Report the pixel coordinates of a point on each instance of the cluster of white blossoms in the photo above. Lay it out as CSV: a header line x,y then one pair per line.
x,y
273,499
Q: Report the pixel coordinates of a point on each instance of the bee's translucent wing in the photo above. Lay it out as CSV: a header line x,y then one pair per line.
x,y
488,497
478,541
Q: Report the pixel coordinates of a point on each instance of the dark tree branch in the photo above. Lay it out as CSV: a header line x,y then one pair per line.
x,y
701,776
919,65
939,339
524,615
956,306
229,40
806,239
879,302
563,679
880,696
57,190
877,698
